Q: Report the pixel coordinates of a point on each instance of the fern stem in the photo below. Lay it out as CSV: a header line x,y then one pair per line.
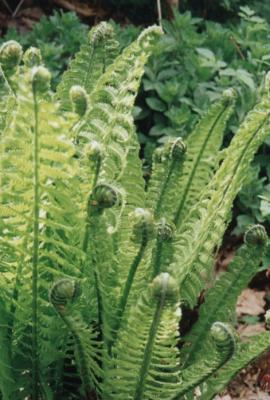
x,y
35,258
139,391
157,258
178,213
81,356
164,187
124,298
88,224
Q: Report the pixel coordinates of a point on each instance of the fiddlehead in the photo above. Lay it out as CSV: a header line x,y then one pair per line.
x,y
256,236
223,339
89,63
78,98
246,352
32,57
220,300
105,196
151,364
63,295
10,56
41,80
167,167
162,249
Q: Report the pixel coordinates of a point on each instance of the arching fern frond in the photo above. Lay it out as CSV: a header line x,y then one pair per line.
x,y
246,353
203,145
90,62
222,337
151,364
7,100
63,294
209,218
38,174
220,301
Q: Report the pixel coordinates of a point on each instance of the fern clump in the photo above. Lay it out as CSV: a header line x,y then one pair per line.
x,y
96,266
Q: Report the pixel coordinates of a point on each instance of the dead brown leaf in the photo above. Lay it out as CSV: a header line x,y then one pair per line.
x,y
246,331
251,302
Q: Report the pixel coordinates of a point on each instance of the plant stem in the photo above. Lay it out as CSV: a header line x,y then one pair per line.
x,y
159,13
164,188
124,298
35,258
139,391
157,257
81,356
178,214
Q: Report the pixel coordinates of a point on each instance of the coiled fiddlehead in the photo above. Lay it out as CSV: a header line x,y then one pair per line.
x,y
41,79
10,56
165,230
143,225
162,250
167,167
220,300
151,364
32,57
78,98
178,149
105,196
223,338
64,292
256,236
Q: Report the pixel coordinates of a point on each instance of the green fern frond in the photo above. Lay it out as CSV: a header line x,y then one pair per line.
x,y
203,145
37,176
165,175
7,100
90,63
150,366
246,353
220,301
63,294
209,218
222,337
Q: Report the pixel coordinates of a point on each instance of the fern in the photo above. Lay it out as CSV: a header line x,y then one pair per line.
x,y
220,301
246,353
118,259
90,63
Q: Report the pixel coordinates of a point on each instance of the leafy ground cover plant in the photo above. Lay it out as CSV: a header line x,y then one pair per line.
x,y
95,269
58,37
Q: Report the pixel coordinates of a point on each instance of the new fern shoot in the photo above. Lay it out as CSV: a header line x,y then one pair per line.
x,y
95,265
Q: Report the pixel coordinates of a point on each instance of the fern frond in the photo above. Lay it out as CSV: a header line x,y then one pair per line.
x,y
63,294
223,339
208,219
165,175
150,366
7,100
246,353
220,301
203,145
37,232
90,63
